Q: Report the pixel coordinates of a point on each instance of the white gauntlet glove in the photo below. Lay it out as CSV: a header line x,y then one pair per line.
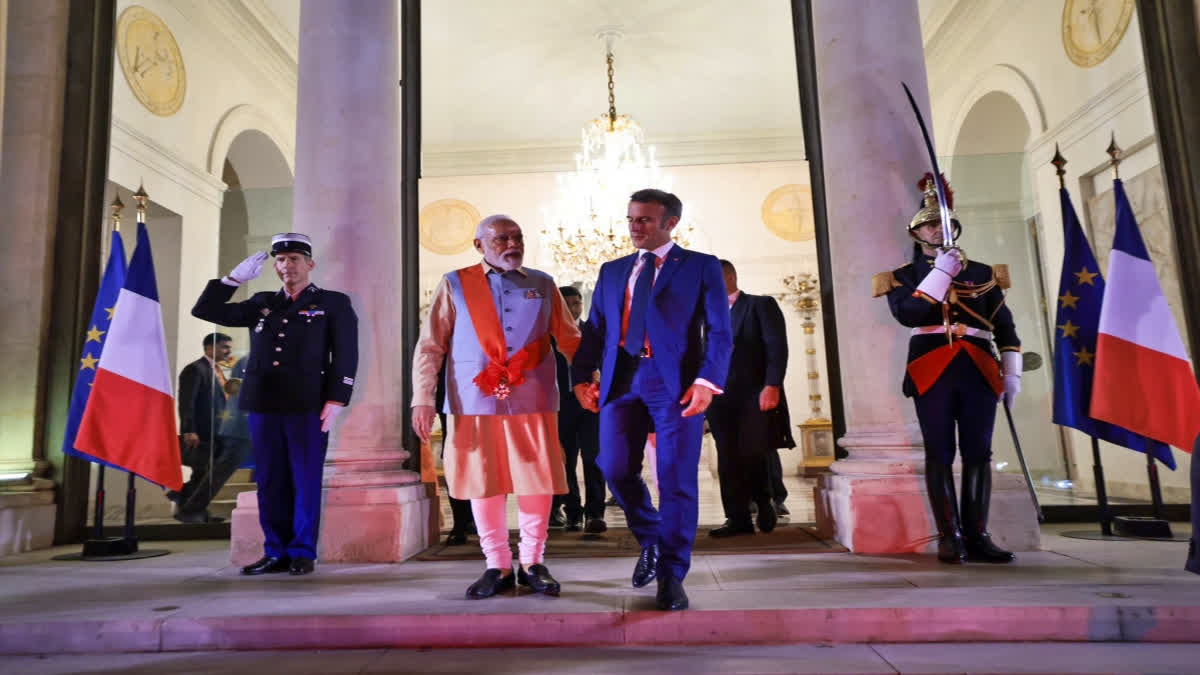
x,y
1012,376
946,266
246,270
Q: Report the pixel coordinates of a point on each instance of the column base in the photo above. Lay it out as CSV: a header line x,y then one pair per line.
x,y
890,514
26,520
361,523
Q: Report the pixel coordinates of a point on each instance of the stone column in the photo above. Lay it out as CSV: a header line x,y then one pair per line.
x,y
347,197
874,501
34,79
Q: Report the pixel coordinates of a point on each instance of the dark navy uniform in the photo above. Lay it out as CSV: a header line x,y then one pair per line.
x,y
303,353
953,385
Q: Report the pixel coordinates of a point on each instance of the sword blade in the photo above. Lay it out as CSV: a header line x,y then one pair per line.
x,y
943,204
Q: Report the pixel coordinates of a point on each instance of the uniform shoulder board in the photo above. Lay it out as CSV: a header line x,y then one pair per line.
x,y
1000,274
883,283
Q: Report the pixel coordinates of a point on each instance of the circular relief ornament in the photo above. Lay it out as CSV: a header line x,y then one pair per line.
x,y
1092,29
151,61
448,226
787,213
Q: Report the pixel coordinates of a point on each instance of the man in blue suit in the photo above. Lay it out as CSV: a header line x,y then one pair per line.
x,y
658,332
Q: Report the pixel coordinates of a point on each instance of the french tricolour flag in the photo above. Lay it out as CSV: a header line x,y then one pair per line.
x,y
1144,380
130,417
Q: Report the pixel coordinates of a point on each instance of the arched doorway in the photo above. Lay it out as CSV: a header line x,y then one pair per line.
x,y
994,200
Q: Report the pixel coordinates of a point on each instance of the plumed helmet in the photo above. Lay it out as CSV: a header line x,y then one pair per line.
x,y
929,212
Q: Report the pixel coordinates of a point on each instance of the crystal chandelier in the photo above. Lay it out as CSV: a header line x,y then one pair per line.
x,y
586,226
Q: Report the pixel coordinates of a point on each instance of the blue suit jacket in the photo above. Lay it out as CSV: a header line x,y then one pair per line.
x,y
687,321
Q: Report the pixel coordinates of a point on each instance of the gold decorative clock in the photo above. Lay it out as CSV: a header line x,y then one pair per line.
x,y
1092,29
151,61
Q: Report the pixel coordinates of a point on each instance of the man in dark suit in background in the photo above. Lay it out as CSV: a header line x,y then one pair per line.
x,y
658,331
579,433
202,401
751,418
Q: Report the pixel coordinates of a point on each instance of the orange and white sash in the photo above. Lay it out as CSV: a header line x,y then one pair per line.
x,y
501,374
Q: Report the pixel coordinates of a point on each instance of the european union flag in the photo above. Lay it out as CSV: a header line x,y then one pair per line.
x,y
102,314
1077,324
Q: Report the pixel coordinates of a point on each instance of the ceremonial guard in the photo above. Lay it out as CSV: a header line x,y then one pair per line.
x,y
955,309
299,376
491,325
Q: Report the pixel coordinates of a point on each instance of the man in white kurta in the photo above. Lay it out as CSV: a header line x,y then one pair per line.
x,y
491,323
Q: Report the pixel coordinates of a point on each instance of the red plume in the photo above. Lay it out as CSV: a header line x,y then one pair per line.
x,y
923,184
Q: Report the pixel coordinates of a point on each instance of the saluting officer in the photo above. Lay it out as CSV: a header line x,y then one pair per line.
x,y
955,309
303,354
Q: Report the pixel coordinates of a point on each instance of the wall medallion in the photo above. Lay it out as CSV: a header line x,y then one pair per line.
x,y
151,61
448,226
787,213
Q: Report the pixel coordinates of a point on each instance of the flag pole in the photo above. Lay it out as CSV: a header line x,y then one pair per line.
x,y
131,491
1156,526
98,517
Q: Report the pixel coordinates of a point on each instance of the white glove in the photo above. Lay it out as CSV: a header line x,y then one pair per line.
x,y
329,414
247,269
1012,376
949,260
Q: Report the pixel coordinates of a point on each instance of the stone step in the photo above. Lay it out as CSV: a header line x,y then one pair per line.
x,y
231,490
1002,618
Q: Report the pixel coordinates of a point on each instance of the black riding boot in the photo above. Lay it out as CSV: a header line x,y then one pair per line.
x,y
939,481
976,496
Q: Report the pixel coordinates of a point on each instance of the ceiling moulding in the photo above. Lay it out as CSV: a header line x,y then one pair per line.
x,y
443,161
166,163
965,26
1097,112
258,37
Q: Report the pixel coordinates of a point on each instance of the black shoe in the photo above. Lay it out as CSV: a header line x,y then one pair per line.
x,y
670,594
267,564
538,579
611,501
782,510
300,567
574,524
767,518
197,517
939,482
976,497
647,566
456,538
732,529
174,496
981,549
595,526
491,583
556,518
1193,562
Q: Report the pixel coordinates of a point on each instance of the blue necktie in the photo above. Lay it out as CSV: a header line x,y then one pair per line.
x,y
635,333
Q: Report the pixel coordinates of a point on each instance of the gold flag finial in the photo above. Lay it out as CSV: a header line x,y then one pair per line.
x,y
141,198
1059,162
117,206
1116,153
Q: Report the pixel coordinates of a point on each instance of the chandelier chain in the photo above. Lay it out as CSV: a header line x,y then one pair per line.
x,y
612,95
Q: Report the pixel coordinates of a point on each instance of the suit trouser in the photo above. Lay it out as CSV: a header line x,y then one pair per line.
x,y
960,399
741,435
637,399
775,476
208,478
579,434
289,458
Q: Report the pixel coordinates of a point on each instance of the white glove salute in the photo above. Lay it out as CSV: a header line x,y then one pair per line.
x,y
247,269
946,266
1012,376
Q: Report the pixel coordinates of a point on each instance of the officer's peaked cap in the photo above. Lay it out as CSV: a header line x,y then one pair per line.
x,y
291,242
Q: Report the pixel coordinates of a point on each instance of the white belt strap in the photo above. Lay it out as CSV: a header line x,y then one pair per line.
x,y
956,329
